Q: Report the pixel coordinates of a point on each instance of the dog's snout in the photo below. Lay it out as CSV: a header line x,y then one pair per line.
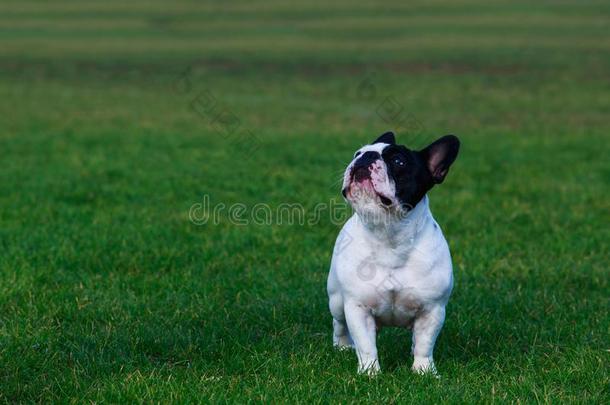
x,y
366,159
362,173
360,170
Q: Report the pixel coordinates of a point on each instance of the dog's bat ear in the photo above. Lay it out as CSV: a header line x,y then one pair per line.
x,y
439,155
388,137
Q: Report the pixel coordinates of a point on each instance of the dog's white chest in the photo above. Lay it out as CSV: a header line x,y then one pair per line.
x,y
394,304
391,295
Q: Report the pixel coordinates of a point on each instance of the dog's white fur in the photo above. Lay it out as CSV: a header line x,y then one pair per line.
x,y
389,267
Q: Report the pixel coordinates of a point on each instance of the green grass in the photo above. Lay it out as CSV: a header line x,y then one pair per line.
x,y
108,293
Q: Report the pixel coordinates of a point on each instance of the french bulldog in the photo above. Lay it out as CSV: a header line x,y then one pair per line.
x,y
391,264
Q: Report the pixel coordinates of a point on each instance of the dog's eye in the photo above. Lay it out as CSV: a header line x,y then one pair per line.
x,y
357,153
399,161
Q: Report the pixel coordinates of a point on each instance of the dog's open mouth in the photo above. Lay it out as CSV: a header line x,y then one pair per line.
x,y
364,185
384,200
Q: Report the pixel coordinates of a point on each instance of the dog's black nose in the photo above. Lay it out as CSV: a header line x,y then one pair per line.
x,y
362,173
361,166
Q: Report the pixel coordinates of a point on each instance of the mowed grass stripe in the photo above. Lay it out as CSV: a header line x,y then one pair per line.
x,y
377,29
210,21
298,10
298,44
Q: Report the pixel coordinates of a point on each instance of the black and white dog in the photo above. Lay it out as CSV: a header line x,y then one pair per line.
x,y
391,264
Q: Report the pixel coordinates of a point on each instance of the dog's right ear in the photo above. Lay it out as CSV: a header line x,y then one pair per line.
x,y
388,138
439,155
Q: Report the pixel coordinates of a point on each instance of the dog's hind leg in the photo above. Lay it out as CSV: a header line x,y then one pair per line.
x,y
341,337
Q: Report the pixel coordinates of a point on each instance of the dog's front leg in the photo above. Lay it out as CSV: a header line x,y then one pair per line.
x,y
425,330
362,327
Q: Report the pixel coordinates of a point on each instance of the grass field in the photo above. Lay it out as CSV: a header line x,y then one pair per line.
x,y
109,293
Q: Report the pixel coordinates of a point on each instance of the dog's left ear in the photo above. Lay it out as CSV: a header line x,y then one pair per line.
x,y
439,155
388,138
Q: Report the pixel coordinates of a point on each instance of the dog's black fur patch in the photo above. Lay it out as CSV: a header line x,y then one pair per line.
x,y
416,172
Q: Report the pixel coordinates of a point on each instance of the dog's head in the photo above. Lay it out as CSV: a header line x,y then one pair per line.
x,y
386,178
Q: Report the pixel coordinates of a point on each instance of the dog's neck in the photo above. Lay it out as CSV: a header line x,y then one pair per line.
x,y
397,230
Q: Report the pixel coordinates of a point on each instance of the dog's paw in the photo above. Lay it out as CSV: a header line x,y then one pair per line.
x,y
343,343
370,370
425,366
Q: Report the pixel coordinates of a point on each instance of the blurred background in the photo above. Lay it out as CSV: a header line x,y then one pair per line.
x,y
117,117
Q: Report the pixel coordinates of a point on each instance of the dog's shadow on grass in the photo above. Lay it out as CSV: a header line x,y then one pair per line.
x,y
283,326
459,346
289,328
